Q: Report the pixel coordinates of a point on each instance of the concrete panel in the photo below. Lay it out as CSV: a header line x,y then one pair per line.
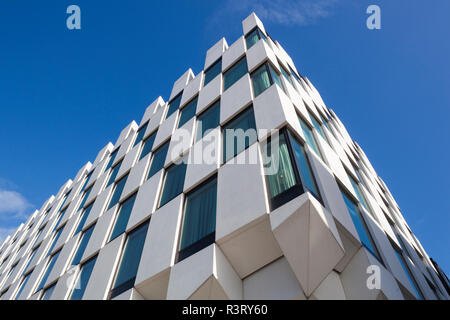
x,y
209,94
233,53
103,273
215,52
236,99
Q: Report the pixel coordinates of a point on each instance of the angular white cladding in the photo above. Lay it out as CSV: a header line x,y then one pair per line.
x,y
306,248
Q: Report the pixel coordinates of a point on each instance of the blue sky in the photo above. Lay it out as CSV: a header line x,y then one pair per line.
x,y
64,94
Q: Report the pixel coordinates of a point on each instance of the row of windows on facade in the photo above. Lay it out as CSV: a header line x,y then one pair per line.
x,y
284,189
244,121
293,178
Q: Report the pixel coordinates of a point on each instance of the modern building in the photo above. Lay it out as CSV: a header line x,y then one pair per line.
x,y
176,210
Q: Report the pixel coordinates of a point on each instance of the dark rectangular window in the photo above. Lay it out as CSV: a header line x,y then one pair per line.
x,y
360,225
148,145
294,74
174,104
117,192
239,134
358,192
233,74
188,112
199,223
213,71
318,127
285,74
82,245
83,218
113,174
83,279
208,120
131,258
122,217
140,134
253,37
310,139
288,170
48,269
263,78
173,182
111,159
158,160
85,196
55,240
406,269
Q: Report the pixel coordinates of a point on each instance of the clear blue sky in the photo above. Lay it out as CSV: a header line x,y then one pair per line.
x,y
65,94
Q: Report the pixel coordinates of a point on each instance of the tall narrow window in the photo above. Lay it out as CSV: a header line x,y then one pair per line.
x,y
208,120
148,145
213,71
83,279
263,78
131,258
55,240
48,292
122,217
140,134
83,218
113,175
174,104
239,134
117,192
253,37
199,224
82,245
85,196
233,74
358,192
86,181
173,182
360,225
30,258
61,215
287,169
310,139
285,74
318,127
325,122
188,112
48,269
406,269
158,160
111,159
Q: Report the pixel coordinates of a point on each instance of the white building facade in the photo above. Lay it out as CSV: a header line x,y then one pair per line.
x,y
287,208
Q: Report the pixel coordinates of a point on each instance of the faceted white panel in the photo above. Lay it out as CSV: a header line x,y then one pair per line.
x,y
128,161
96,174
233,53
104,270
276,281
235,99
151,109
98,186
100,233
180,142
308,237
99,205
241,195
136,177
131,294
273,110
204,159
215,52
251,22
64,259
125,146
145,203
181,83
330,289
82,172
155,121
165,130
258,54
209,94
160,248
192,89
65,283
102,154
67,233
129,129
205,275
